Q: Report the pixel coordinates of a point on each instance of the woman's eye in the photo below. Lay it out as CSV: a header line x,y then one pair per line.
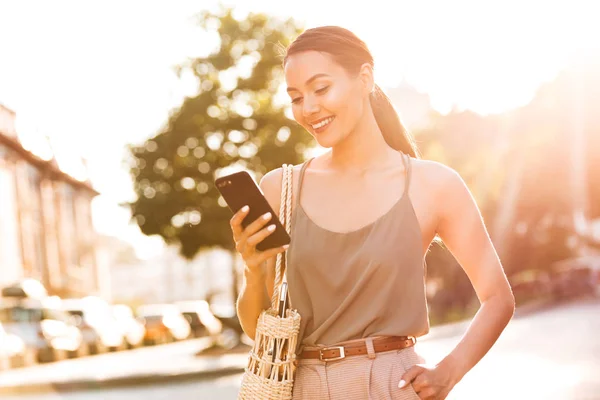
x,y
322,90
296,100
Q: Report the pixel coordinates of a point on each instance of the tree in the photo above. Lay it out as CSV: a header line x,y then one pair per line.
x,y
234,122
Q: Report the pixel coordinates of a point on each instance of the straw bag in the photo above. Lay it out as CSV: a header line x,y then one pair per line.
x,y
265,379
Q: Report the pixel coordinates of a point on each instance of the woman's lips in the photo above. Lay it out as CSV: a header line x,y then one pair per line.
x,y
322,125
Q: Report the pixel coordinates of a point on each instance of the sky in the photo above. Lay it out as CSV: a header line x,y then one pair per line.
x,y
96,75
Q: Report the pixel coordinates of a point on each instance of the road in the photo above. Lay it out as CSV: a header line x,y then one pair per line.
x,y
550,355
223,389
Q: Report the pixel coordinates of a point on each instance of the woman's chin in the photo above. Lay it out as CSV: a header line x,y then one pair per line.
x,y
326,142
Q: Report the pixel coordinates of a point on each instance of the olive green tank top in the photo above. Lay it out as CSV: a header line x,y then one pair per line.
x,y
352,285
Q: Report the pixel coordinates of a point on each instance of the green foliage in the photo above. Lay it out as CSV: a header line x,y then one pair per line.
x,y
233,122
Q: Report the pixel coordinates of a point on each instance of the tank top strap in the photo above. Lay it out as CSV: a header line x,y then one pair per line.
x,y
301,178
297,192
407,165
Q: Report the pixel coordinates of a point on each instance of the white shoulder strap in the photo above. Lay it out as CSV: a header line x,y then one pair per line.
x,y
285,216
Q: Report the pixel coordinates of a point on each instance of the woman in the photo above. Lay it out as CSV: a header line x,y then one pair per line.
x,y
365,213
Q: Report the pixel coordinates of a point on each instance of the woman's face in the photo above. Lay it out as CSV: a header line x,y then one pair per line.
x,y
326,100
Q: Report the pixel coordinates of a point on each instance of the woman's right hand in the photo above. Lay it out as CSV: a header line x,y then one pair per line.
x,y
247,239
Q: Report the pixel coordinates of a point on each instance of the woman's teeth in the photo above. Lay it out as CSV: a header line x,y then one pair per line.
x,y
322,123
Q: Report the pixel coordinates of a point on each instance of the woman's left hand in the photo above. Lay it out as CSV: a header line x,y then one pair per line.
x,y
430,382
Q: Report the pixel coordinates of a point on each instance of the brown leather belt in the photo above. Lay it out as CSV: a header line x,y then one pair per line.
x,y
386,343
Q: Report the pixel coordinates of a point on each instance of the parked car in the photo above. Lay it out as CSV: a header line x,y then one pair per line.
x,y
572,281
25,288
577,276
132,328
42,325
227,314
164,323
13,351
232,333
201,319
94,318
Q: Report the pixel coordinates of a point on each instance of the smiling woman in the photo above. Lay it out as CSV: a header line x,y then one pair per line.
x,y
364,215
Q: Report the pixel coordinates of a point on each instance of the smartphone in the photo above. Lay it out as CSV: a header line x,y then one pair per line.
x,y
239,190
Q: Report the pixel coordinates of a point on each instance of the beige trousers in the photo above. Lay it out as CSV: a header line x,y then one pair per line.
x,y
366,377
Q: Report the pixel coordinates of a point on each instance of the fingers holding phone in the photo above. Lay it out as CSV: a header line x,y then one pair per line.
x,y
246,239
236,222
258,233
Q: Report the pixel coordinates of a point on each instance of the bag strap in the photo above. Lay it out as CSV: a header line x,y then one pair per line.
x,y
285,216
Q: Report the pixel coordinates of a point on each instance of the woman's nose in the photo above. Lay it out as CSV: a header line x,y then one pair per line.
x,y
311,106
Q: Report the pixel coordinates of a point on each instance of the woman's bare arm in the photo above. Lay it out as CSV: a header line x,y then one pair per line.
x,y
257,285
462,229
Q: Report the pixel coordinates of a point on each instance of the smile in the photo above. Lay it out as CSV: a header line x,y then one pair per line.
x,y
323,123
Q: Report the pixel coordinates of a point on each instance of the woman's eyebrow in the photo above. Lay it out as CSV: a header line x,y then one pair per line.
x,y
309,80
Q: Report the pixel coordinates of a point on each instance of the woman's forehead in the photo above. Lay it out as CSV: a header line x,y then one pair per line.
x,y
302,66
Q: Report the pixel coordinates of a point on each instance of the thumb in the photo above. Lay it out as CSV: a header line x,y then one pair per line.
x,y
409,376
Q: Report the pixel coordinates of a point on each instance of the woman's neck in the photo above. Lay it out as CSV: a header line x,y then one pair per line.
x,y
363,149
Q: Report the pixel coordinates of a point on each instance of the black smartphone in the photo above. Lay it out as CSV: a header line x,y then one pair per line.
x,y
239,190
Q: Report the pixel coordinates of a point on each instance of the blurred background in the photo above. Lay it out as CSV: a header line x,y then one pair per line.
x,y
116,117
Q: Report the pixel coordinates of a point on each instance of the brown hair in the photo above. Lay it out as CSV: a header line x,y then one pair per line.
x,y
351,53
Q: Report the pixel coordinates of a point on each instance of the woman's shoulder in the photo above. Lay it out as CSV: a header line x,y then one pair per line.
x,y
272,179
436,175
270,184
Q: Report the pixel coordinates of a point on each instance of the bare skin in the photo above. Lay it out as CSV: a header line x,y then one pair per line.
x,y
367,176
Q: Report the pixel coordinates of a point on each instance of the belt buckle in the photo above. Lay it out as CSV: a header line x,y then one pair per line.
x,y
340,348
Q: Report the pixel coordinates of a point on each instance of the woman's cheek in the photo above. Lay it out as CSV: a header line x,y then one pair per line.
x,y
300,120
297,113
336,97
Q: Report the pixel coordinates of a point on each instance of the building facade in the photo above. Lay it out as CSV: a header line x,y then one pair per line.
x,y
46,230
169,278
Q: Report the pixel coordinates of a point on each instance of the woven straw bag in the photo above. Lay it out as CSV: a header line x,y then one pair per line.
x,y
265,379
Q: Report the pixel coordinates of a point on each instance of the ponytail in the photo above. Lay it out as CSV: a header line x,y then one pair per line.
x,y
394,133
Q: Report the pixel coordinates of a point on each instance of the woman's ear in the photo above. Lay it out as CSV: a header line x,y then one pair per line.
x,y
367,79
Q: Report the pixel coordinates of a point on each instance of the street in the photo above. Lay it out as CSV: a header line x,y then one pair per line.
x,y
549,355
223,389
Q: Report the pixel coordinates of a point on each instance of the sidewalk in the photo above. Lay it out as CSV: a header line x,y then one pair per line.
x,y
460,327
166,363
160,364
